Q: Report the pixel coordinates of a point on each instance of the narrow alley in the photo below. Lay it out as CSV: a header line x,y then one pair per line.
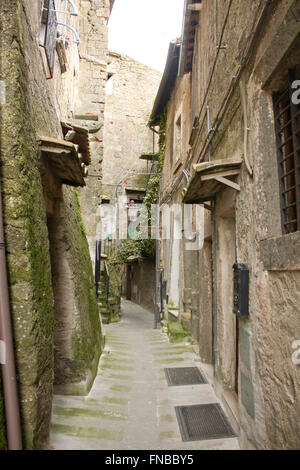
x,y
149,225
130,406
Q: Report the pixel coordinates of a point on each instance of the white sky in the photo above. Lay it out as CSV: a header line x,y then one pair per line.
x,y
143,29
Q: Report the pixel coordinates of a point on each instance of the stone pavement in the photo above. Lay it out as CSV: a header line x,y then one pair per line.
x,y
130,406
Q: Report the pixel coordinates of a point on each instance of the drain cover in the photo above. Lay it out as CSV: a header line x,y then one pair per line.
x,y
184,376
201,422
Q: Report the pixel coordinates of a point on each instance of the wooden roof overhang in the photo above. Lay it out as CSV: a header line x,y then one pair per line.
x,y
150,157
134,189
63,159
209,178
191,21
81,138
133,259
167,83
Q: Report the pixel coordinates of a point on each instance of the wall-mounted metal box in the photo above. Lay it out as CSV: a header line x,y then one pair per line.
x,y
240,290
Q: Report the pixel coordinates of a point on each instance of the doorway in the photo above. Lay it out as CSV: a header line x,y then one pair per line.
x,y
128,282
226,324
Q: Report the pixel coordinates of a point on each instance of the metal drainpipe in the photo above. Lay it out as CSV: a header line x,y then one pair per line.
x,y
157,264
11,403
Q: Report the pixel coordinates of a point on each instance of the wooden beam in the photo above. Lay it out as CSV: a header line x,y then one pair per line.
x,y
227,182
220,173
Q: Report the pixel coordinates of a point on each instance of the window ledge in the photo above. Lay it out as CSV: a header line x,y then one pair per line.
x,y
280,253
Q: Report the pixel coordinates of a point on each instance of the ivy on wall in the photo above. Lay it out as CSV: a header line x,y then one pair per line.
x,y
144,248
153,184
140,247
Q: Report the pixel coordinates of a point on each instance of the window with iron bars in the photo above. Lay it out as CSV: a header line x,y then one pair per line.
x,y
287,129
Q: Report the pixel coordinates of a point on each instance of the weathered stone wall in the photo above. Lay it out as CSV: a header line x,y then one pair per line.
x,y
33,108
77,340
178,105
131,91
25,227
205,327
246,223
91,101
176,259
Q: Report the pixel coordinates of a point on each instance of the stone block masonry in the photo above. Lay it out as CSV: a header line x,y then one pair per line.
x,y
131,91
233,62
91,101
52,293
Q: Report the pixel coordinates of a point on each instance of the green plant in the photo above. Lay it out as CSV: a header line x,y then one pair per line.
x,y
153,183
140,247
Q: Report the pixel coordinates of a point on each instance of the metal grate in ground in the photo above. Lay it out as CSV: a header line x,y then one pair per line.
x,y
184,376
201,422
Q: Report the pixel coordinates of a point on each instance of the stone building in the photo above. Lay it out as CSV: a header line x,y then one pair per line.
x,y
129,154
231,91
52,104
91,104
130,93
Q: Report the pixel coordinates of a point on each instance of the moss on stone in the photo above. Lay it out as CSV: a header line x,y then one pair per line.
x,y
120,377
169,354
166,435
90,433
86,336
26,233
121,388
167,418
176,331
90,413
116,343
111,366
170,361
115,401
112,359
31,110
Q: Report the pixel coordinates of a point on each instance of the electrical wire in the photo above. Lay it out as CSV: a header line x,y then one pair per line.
x,y
257,23
177,181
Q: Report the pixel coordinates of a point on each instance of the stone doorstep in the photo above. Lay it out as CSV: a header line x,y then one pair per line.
x,y
230,401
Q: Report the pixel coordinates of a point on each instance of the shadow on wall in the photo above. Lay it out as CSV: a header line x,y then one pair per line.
x,y
139,283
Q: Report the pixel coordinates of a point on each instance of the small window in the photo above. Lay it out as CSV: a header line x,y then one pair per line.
x,y
48,35
287,128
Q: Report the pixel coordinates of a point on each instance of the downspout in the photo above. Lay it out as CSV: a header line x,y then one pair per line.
x,y
11,403
157,265
246,127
